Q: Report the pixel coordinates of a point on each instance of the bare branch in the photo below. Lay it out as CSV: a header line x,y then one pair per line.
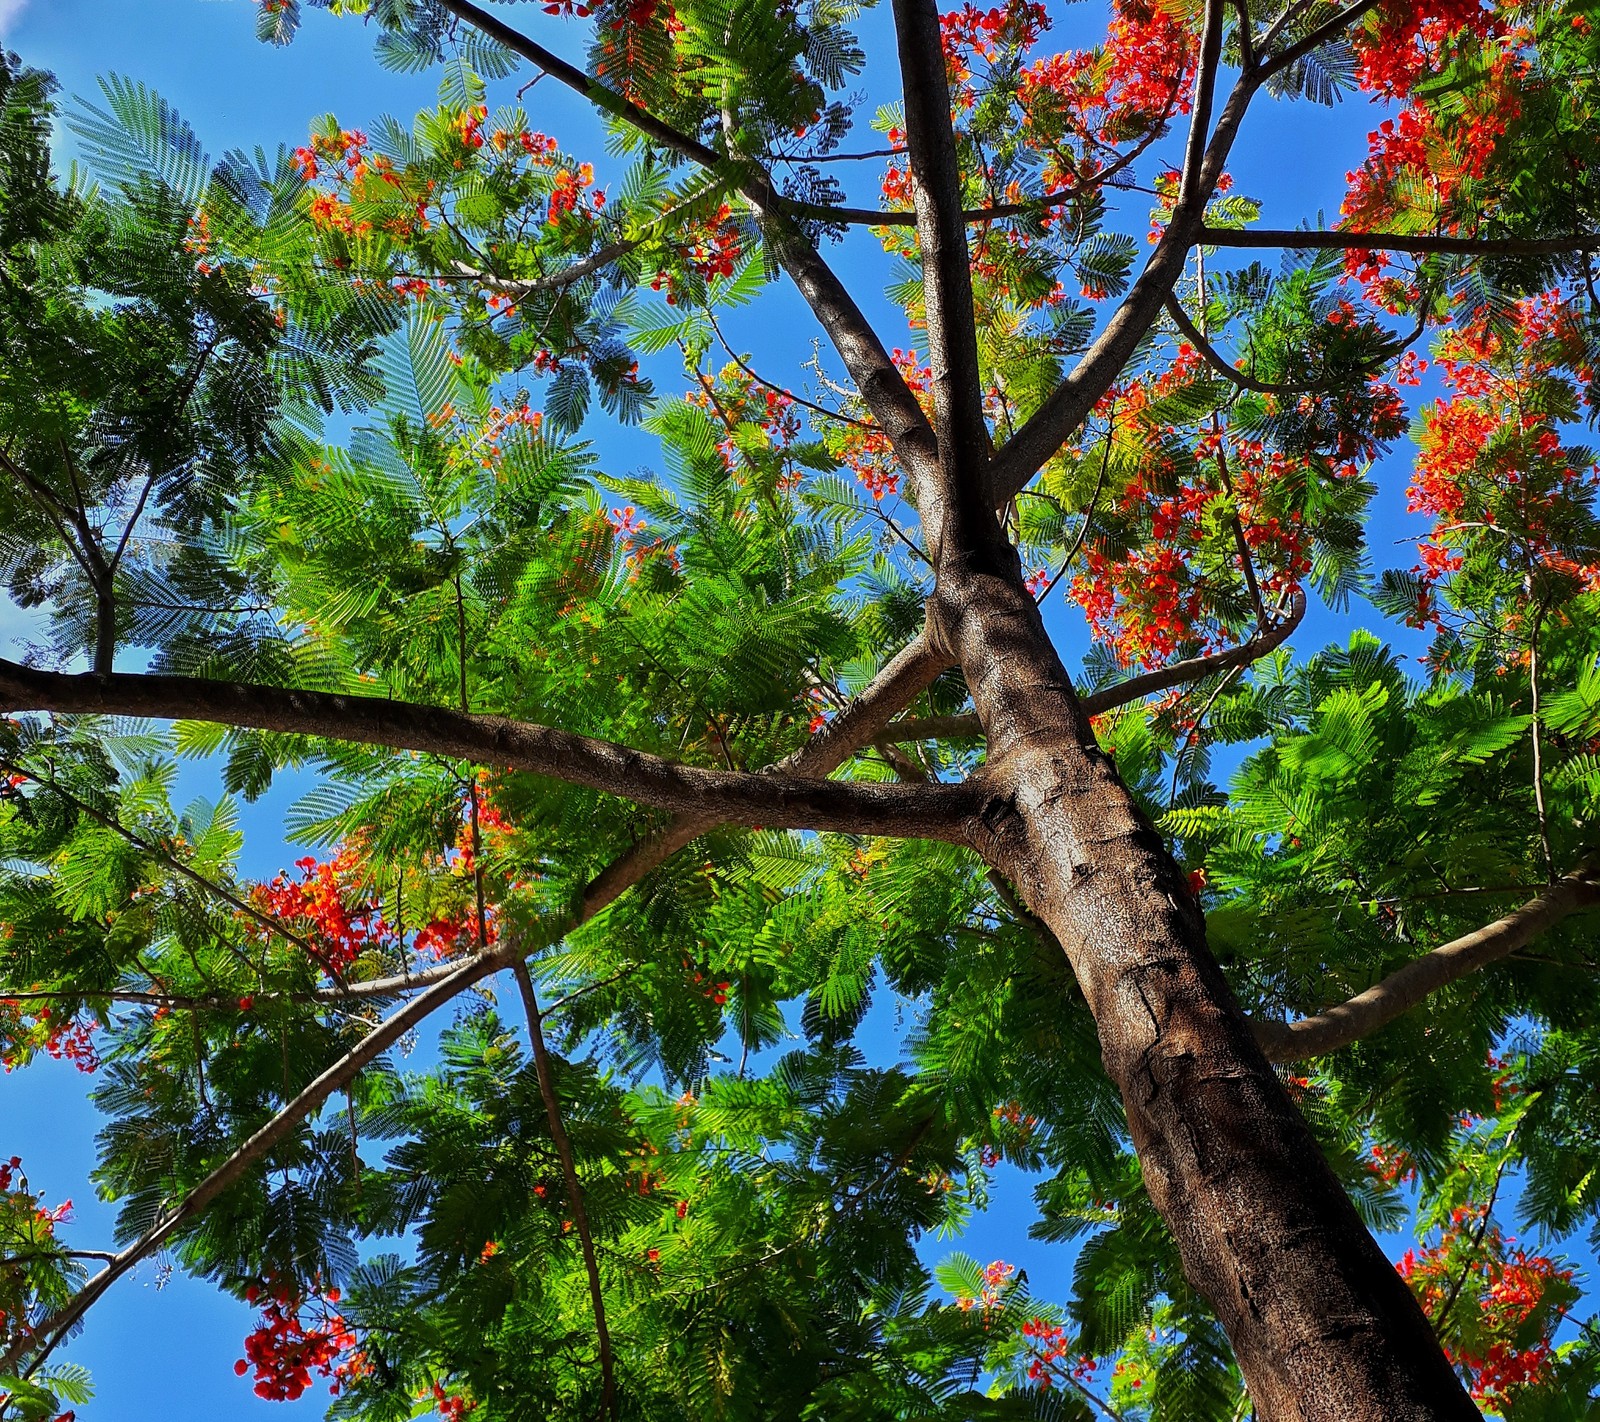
x,y
770,798
1404,988
762,381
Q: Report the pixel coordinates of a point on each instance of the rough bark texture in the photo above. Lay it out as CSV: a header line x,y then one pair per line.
x,y
1323,1327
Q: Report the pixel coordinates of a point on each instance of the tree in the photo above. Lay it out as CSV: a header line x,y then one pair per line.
x,y
760,735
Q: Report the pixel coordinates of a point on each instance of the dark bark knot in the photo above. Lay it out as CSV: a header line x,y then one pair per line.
x,y
1000,815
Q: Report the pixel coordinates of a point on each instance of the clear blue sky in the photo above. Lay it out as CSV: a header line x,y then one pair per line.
x,y
165,1351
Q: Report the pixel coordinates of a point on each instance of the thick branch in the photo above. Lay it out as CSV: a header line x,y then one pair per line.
x,y
520,288
902,678
1123,693
1192,192
1294,239
1404,988
767,799
1069,404
946,271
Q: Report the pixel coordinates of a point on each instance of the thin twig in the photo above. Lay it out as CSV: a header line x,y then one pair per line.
x,y
569,1170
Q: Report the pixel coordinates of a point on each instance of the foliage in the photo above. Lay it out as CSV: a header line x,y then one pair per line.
x,y
327,420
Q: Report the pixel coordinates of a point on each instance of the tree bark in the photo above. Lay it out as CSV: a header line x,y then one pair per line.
x,y
1323,1327
105,627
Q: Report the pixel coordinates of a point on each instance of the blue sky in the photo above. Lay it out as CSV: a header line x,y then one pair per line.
x,y
165,1350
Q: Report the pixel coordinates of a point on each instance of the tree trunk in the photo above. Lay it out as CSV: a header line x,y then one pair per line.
x,y
105,627
1323,1327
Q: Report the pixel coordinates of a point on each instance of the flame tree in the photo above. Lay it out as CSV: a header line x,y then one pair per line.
x,y
692,766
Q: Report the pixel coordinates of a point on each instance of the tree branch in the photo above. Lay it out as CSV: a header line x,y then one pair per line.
x,y
110,822
1069,404
906,674
881,385
521,287
770,798
249,1151
1192,192
569,1171
1123,693
1404,988
1212,357
1421,242
963,434
1324,33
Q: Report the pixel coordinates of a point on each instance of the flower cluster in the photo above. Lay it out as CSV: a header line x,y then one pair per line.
x,y
287,1349
327,908
1422,164
711,252
1493,472
707,983
995,1283
1390,1165
25,1031
1051,1355
453,1406
734,398
1509,1303
864,449
628,528
1013,1127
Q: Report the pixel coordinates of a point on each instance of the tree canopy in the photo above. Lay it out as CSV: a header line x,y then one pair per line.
x,y
653,802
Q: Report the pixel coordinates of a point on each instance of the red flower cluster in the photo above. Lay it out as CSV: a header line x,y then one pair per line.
x,y
711,252
710,987
322,904
995,1278
566,195
362,191
1393,1167
25,1031
28,1230
1050,1355
865,450
1405,40
1492,470
1143,73
452,1407
286,1352
716,252
626,525
1503,1342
